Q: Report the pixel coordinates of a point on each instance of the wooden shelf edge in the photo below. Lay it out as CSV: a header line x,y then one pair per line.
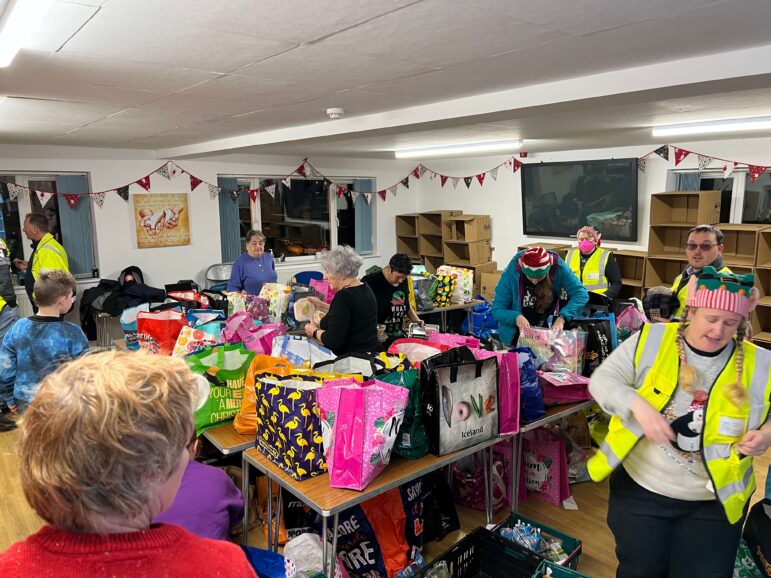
x,y
631,282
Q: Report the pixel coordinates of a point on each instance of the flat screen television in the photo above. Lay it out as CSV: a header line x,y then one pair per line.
x,y
559,198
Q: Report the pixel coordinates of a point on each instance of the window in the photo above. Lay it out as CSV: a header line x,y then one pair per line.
x,y
731,188
299,219
73,228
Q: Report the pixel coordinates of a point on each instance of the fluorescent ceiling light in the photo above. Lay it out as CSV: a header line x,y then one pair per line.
x,y
20,20
716,126
459,149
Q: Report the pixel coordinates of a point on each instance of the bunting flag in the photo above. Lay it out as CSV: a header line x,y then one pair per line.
x,y
285,182
72,200
144,182
494,173
515,166
14,190
481,178
341,190
393,189
468,180
382,195
253,194
443,179
313,172
728,169
123,192
173,168
301,170
368,198
663,152
406,182
271,190
680,154
234,195
43,197
416,172
194,182
214,191
165,172
755,172
704,161
99,199
455,181
642,162
422,170
354,196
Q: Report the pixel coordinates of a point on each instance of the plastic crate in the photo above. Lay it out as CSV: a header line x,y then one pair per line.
x,y
484,553
548,569
571,545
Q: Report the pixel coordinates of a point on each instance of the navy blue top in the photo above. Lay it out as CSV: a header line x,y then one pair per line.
x,y
250,274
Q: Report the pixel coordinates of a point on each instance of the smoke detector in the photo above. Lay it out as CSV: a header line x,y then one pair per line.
x,y
335,113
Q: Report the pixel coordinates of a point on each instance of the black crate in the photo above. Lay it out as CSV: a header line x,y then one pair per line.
x,y
572,546
483,553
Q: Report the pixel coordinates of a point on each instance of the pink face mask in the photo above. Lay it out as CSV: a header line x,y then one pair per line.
x,y
586,246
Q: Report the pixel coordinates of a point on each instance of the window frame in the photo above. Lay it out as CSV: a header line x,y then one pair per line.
x,y
739,176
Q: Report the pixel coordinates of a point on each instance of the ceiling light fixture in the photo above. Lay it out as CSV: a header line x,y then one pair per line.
x,y
459,149
19,21
715,126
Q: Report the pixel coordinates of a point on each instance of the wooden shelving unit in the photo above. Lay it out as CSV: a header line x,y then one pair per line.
x,y
631,264
407,238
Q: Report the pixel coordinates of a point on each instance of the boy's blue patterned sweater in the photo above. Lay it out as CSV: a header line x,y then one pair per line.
x,y
33,348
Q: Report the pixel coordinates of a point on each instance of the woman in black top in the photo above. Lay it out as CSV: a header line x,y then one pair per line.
x,y
351,324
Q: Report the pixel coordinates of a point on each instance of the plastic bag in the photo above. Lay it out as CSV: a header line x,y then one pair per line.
x,y
191,340
158,331
128,322
531,398
300,351
555,350
277,296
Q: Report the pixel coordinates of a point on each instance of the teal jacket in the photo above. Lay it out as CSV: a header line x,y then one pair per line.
x,y
507,305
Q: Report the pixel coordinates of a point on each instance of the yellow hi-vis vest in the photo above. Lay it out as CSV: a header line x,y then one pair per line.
x,y
656,366
49,256
682,293
593,275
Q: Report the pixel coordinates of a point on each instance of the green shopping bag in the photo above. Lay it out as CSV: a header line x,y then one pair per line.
x,y
225,367
411,442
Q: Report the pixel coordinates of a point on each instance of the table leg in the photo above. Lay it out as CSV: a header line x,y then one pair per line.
x,y
270,513
516,456
279,503
245,492
486,465
333,554
324,543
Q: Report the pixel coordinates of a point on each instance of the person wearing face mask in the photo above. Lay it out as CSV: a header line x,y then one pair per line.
x,y
529,291
690,404
704,247
595,267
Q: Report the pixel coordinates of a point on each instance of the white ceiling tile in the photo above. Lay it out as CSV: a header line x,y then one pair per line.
x,y
62,21
47,111
261,92
184,102
162,38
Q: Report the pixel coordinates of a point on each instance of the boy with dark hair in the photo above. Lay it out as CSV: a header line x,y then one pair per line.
x,y
393,295
37,345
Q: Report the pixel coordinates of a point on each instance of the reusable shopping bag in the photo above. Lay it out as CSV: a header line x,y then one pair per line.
x,y
508,388
555,350
531,397
128,322
563,387
442,290
277,296
304,553
361,363
300,351
392,362
468,487
323,289
545,466
482,320
157,332
225,367
453,339
464,282
197,317
416,350
297,518
757,531
191,340
411,441
359,424
601,339
190,299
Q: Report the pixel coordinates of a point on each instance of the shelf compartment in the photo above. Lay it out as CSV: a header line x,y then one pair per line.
x,y
407,225
431,245
662,272
685,207
408,245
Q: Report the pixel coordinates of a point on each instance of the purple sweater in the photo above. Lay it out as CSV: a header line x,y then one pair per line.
x,y
249,274
208,503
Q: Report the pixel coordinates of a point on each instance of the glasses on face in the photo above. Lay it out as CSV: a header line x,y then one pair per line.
x,y
702,246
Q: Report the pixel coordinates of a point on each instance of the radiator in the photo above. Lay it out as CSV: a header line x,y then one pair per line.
x,y
285,274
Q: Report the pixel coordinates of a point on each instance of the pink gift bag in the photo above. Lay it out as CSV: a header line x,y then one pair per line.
x,y
324,289
508,388
260,339
359,425
454,340
545,466
563,387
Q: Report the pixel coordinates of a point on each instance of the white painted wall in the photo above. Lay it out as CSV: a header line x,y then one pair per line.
x,y
502,198
116,245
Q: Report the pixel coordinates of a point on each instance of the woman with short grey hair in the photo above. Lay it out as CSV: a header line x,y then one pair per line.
x,y
253,268
351,324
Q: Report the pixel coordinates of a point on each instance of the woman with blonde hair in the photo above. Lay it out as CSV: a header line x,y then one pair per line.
x,y
103,448
691,408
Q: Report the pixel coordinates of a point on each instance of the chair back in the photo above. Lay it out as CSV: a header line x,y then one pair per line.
x,y
218,274
304,277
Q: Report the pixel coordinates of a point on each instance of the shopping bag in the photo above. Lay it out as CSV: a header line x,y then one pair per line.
x,y
442,290
245,421
531,397
411,441
392,362
359,423
482,320
225,367
563,387
757,531
197,317
157,332
508,388
297,518
300,351
416,350
128,322
459,400
323,289
439,513
601,339
464,282
190,299
191,340
545,466
453,339
554,350
361,363
277,296
468,486
304,553
260,339
288,429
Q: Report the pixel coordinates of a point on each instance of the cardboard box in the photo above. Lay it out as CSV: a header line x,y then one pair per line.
x,y
408,246
668,240
763,251
473,253
662,272
431,222
685,207
740,244
467,228
407,225
631,264
478,269
489,281
431,245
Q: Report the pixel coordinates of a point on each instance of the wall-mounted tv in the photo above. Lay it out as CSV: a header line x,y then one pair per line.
x,y
559,198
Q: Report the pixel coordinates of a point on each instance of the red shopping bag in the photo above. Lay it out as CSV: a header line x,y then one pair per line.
x,y
545,466
158,331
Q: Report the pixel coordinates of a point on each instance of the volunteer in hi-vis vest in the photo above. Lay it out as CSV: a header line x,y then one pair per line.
x,y
47,253
595,267
704,247
690,404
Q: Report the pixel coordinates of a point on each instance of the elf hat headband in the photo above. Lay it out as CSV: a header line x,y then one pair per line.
x,y
535,263
724,291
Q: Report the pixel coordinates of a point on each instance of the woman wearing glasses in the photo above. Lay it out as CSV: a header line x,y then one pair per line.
x,y
704,248
253,268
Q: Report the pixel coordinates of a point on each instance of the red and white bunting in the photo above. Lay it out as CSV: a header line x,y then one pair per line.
x,y
99,199
468,180
354,196
393,189
494,173
271,190
755,172
285,181
728,169
642,162
214,191
443,179
704,161
194,182
14,191
165,172
455,181
416,172
301,170
144,182
481,178
43,197
253,193
72,200
314,174
422,170
340,191
382,195
368,197
680,154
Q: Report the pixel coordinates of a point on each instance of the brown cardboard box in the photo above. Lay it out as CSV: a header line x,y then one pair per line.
x,y
467,228
489,282
473,253
478,269
740,243
407,225
430,223
685,207
763,252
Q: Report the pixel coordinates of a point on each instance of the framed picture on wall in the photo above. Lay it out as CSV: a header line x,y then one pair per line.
x,y
161,220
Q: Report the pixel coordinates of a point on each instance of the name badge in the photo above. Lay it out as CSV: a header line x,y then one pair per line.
x,y
732,427
593,276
